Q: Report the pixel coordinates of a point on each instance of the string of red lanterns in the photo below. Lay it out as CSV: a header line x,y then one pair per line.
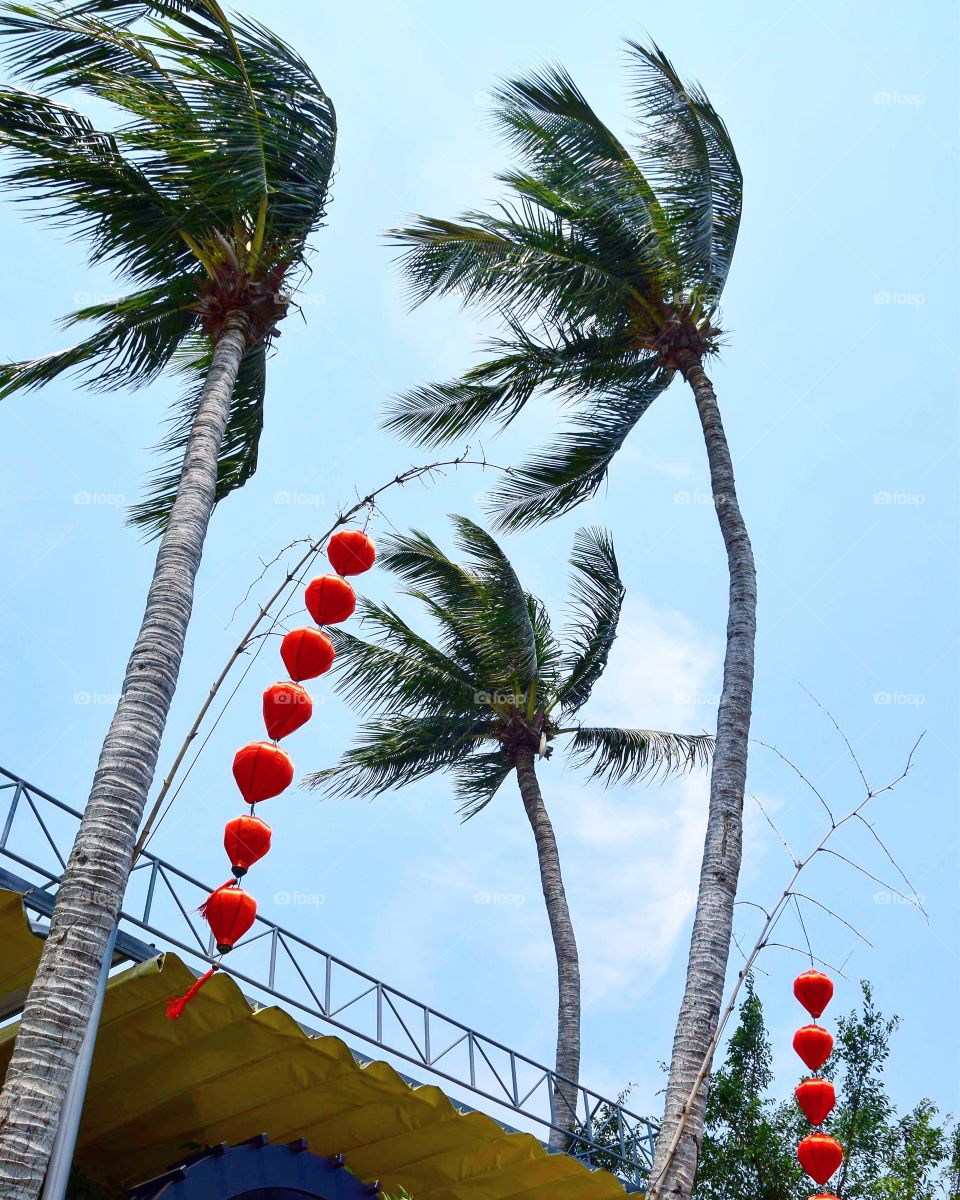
x,y
263,770
820,1154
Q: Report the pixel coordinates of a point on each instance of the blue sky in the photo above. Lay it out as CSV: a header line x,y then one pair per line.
x,y
838,386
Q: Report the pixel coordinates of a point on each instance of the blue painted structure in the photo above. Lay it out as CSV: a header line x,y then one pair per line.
x,y
256,1170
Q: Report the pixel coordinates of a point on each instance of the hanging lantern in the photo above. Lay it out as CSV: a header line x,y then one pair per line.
x,y
814,990
330,599
246,840
814,1044
820,1156
229,911
286,706
262,770
306,653
351,552
816,1098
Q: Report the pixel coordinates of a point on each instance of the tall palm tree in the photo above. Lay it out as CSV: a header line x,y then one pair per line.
x,y
202,197
484,699
605,268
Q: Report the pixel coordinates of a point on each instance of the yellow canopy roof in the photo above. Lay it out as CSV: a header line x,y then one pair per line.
x,y
224,1072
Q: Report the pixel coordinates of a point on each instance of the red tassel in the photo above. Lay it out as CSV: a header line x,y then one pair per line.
x,y
176,1004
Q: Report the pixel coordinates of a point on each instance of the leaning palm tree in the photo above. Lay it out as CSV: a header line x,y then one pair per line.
x,y
605,268
484,699
202,196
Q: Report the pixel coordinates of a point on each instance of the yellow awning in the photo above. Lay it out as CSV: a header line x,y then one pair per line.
x,y
224,1072
19,953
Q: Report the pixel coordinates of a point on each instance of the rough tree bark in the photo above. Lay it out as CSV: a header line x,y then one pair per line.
x,y
92,887
565,944
675,1165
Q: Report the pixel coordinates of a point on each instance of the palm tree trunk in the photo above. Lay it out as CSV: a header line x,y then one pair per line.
x,y
565,944
92,887
678,1146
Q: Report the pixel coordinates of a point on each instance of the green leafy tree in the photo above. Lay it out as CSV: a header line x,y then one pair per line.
x,y
484,697
202,198
750,1142
605,268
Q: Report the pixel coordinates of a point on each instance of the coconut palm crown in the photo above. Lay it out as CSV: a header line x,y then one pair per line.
x,y
604,266
201,195
496,681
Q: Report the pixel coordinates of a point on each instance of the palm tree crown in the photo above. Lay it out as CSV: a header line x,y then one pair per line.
x,y
604,266
202,197
494,682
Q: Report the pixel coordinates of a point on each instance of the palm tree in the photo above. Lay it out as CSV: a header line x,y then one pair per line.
x,y
202,198
605,269
486,698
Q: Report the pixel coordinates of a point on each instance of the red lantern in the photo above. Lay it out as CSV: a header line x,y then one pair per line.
x,y
814,1044
330,599
820,1156
286,706
816,1098
814,990
306,653
351,552
262,770
246,840
229,911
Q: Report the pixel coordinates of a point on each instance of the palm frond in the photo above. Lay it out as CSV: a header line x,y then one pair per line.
x,y
627,755
572,468
401,670
478,778
418,560
598,594
524,260
77,176
579,169
493,391
497,390
503,623
549,653
72,48
692,164
395,751
138,337
457,597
